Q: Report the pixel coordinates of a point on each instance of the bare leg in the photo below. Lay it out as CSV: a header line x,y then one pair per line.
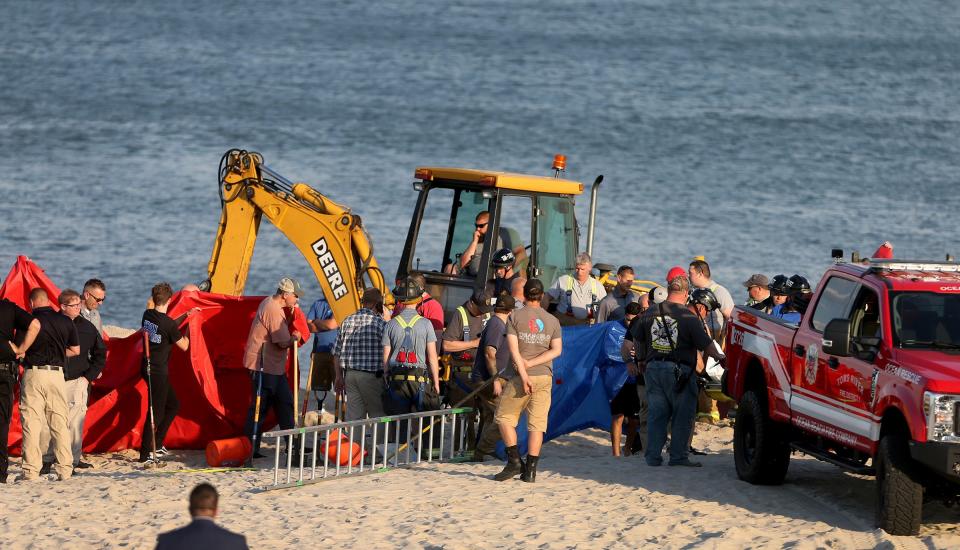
x,y
509,434
534,442
616,426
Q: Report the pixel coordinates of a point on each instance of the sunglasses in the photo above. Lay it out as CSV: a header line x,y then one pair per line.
x,y
99,300
479,225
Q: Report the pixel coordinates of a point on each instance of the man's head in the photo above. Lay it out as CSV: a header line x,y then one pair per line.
x,y
533,290
581,271
502,262
516,289
70,302
678,290
482,222
408,292
625,278
699,273
756,287
418,278
505,304
372,299
38,298
703,301
160,294
289,291
631,311
94,293
479,303
675,271
778,288
203,501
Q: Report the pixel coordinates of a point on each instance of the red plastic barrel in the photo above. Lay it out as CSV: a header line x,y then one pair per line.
x,y
228,452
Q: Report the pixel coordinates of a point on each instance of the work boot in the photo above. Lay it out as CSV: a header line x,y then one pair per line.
x,y
513,467
529,474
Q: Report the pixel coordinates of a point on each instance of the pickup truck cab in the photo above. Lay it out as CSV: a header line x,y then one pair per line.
x,y
869,380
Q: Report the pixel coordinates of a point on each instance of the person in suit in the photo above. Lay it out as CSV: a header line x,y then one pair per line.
x,y
202,532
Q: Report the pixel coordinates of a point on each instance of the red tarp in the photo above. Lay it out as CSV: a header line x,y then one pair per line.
x,y
211,384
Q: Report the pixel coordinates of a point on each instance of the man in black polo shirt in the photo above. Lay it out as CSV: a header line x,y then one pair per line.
x,y
15,324
81,371
43,393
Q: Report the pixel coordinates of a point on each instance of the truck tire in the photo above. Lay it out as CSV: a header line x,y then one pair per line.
x,y
760,449
899,498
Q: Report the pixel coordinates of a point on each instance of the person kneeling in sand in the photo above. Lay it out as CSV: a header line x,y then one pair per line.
x,y
533,336
202,533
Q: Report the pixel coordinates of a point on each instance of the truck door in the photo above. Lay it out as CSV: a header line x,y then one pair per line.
x,y
849,380
809,364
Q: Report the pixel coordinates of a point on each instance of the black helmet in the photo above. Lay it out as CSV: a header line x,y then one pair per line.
x,y
797,285
503,258
408,290
778,285
706,298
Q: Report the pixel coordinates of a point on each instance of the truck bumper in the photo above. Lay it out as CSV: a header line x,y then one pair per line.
x,y
941,458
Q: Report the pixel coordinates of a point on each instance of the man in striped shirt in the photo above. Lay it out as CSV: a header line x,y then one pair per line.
x,y
358,358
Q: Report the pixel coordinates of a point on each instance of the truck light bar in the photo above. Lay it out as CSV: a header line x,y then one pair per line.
x,y
906,265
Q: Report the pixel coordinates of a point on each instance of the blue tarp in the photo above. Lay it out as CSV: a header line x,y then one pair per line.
x,y
586,377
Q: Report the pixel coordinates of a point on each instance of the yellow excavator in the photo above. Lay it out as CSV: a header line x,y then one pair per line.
x,y
532,215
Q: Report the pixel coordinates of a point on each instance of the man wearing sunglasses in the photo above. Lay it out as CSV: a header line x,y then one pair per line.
x,y
94,293
470,259
78,374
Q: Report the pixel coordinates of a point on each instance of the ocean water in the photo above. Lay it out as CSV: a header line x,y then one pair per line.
x,y
759,133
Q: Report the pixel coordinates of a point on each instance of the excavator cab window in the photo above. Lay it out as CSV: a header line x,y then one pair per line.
x,y
446,229
515,229
556,248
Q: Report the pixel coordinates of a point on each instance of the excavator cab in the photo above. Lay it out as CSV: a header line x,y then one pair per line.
x,y
533,216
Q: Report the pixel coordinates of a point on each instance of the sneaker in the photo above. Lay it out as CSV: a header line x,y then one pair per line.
x,y
688,463
45,469
696,452
81,465
153,463
162,451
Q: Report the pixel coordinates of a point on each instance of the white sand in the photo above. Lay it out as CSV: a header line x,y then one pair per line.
x,y
583,498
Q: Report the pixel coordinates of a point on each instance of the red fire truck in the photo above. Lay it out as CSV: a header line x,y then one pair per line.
x,y
869,380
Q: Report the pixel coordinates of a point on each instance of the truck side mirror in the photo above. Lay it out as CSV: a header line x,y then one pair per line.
x,y
836,338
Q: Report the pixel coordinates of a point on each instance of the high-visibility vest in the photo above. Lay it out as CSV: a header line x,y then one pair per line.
x,y
594,294
405,355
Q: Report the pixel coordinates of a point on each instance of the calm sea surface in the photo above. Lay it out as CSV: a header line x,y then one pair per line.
x,y
758,132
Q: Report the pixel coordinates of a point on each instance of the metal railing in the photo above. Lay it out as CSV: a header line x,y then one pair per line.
x,y
381,443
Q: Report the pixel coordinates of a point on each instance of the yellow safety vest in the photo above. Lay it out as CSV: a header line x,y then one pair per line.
x,y
594,292
404,324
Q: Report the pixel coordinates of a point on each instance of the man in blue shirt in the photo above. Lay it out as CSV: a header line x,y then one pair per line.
x,y
324,328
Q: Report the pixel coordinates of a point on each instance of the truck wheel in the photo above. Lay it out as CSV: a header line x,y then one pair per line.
x,y
899,498
760,450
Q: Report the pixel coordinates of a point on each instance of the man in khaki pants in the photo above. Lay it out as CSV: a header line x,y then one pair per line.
x,y
43,395
80,372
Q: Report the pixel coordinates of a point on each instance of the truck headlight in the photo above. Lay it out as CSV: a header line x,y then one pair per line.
x,y
940,411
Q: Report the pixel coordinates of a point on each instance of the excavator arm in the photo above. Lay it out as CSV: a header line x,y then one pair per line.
x,y
328,235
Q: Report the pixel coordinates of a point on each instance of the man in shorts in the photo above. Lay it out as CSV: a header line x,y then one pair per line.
x,y
533,336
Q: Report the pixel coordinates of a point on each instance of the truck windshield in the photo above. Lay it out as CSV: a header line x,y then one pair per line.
x,y
926,320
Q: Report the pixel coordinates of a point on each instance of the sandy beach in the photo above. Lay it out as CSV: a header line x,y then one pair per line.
x,y
583,498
